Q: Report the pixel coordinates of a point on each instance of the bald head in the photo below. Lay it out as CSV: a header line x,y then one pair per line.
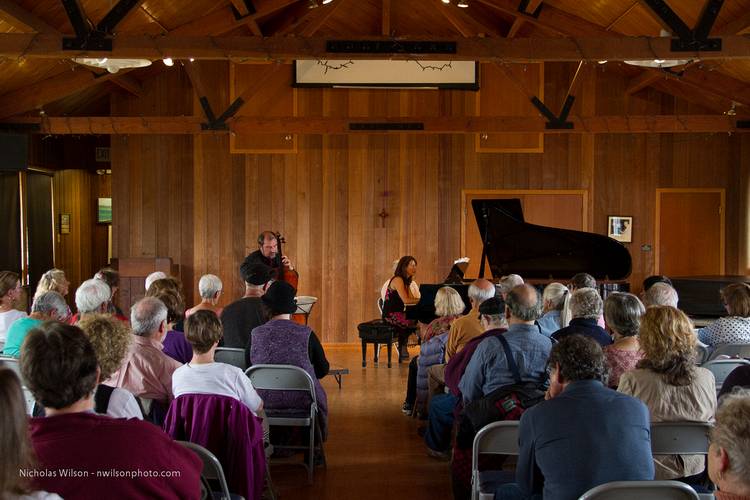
x,y
479,291
523,304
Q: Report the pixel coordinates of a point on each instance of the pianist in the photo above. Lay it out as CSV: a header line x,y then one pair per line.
x,y
397,296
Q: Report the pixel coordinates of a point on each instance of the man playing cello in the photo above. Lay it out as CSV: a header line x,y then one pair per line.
x,y
269,255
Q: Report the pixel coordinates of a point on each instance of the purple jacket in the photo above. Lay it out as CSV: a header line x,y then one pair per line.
x,y
177,347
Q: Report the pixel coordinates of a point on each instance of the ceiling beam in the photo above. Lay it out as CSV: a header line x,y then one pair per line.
x,y
458,24
128,83
116,15
643,80
326,12
431,124
517,24
13,15
532,6
35,46
222,21
241,7
737,26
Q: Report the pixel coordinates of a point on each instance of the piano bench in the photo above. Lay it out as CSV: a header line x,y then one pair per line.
x,y
377,332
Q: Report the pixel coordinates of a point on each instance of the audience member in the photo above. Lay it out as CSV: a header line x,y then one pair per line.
x,y
147,371
60,368
209,288
156,275
729,453
739,378
660,294
53,280
14,442
111,339
92,297
10,290
448,308
623,312
567,444
735,328
652,280
670,384
175,344
585,309
397,297
582,280
47,306
281,341
553,301
241,316
112,278
508,283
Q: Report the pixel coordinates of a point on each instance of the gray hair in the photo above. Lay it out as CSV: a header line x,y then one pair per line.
x,y
555,293
509,282
582,280
661,294
147,315
586,303
732,433
479,294
209,285
622,312
91,295
50,302
156,275
524,302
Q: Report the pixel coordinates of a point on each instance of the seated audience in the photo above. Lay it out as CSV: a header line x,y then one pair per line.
x,y
60,368
240,317
397,297
578,281
92,297
660,294
735,328
729,453
111,339
53,280
738,378
622,312
14,445
670,384
147,371
209,288
170,284
553,300
47,306
567,443
585,309
281,341
448,308
175,344
112,278
10,290
156,275
508,283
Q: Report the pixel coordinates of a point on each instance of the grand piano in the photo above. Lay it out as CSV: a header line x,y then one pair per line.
x,y
539,254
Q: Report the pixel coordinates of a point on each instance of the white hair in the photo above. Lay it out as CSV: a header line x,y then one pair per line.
x,y
156,275
147,315
91,295
555,293
661,294
50,302
508,283
479,295
209,285
586,303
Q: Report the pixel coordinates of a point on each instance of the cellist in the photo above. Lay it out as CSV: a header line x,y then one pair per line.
x,y
269,255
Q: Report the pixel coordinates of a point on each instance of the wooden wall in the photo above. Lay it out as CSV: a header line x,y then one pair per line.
x,y
188,198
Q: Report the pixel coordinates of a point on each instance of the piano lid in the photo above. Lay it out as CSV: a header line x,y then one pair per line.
x,y
515,246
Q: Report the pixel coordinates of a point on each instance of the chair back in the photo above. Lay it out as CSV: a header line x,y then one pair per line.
x,y
12,363
281,378
680,438
231,356
701,354
499,438
211,467
642,490
731,350
721,368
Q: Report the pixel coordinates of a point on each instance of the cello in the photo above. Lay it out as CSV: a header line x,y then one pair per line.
x,y
290,276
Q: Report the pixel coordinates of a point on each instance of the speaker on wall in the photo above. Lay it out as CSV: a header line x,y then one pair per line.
x,y
14,150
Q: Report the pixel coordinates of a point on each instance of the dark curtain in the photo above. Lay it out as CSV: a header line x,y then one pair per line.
x,y
40,229
10,223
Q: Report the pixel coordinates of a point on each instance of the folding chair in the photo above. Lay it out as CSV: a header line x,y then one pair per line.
x,y
731,350
291,378
680,438
499,438
231,356
212,470
723,367
642,490
701,354
12,363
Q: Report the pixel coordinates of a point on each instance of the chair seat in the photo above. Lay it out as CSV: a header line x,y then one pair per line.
x,y
489,480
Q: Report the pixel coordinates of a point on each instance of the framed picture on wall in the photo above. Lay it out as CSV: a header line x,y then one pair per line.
x,y
104,211
620,228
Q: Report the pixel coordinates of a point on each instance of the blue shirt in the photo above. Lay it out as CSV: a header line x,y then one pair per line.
x,y
588,327
549,323
16,335
488,369
586,436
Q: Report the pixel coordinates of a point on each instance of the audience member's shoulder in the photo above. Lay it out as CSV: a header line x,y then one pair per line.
x,y
36,495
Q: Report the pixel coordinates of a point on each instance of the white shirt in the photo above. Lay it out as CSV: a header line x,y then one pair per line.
x,y
215,378
6,319
122,404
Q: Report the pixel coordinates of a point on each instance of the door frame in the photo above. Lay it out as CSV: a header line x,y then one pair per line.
x,y
722,223
583,193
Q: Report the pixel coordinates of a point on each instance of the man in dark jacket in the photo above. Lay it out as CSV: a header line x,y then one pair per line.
x,y
586,309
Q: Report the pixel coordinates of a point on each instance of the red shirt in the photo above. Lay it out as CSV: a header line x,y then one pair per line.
x,y
84,455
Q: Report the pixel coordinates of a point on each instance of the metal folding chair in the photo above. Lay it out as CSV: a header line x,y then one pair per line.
x,y
212,470
723,367
731,350
680,438
12,363
231,356
499,438
642,490
291,378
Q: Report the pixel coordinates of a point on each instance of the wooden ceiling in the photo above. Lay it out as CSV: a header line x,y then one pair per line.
x,y
61,87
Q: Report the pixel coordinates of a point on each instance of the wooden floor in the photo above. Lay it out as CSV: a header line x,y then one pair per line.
x,y
373,449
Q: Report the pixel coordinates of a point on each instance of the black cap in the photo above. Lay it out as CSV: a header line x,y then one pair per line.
x,y
492,307
256,274
280,298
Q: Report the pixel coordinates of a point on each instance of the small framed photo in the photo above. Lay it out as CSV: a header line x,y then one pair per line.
x,y
64,223
104,211
620,228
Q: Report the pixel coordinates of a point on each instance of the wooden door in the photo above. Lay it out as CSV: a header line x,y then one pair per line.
x,y
690,232
564,209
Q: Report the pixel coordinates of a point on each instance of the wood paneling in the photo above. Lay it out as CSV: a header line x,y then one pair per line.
x,y
191,200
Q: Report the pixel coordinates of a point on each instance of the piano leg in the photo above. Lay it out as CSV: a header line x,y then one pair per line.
x,y
376,353
364,354
389,347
